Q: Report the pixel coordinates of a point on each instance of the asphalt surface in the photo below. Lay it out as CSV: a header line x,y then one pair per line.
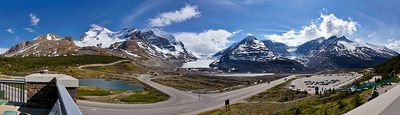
x,y
180,102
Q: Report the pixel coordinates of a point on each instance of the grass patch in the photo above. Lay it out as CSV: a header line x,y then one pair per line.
x,y
92,91
119,96
279,93
29,64
120,68
210,83
145,97
5,76
73,71
265,103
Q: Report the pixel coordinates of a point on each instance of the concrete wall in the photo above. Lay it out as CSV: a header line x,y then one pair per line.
x,y
41,95
42,91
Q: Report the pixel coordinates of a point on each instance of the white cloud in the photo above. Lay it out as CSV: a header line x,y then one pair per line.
x,y
393,44
29,30
9,30
207,42
328,25
167,18
3,50
34,19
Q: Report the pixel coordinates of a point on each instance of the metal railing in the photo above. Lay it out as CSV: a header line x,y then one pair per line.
x,y
13,91
65,105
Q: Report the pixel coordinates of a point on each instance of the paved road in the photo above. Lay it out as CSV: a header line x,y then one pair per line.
x,y
180,102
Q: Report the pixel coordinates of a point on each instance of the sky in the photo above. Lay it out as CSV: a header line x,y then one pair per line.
x,y
207,26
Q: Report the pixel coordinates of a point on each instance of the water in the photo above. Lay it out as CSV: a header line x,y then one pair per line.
x,y
111,85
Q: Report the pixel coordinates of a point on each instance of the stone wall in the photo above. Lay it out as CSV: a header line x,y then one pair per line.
x,y
41,95
42,89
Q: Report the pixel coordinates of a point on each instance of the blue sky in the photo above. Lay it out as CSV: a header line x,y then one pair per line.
x,y
218,23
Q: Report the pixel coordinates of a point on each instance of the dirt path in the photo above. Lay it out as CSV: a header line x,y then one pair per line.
x,y
97,65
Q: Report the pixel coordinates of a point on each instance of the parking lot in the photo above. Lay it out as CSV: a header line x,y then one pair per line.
x,y
324,82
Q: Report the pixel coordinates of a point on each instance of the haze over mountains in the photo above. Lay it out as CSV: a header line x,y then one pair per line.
x,y
248,55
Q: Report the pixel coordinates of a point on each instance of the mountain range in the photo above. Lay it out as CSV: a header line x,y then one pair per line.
x,y
252,55
156,48
151,47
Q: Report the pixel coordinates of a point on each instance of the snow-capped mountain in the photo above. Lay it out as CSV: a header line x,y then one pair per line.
x,y
142,45
250,49
280,48
252,55
100,37
153,43
340,52
309,47
44,45
135,43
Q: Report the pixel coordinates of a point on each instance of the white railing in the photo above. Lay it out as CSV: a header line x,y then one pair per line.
x,y
13,90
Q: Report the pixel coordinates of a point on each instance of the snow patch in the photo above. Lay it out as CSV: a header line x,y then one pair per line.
x,y
129,53
198,64
349,46
100,37
3,50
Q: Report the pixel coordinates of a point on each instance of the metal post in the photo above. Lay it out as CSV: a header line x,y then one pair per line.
x,y
14,91
19,93
8,91
23,94
1,90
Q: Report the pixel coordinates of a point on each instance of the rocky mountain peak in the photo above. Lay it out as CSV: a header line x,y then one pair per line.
x,y
99,36
49,36
340,52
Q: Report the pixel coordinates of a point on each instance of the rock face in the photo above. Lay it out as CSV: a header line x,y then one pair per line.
x,y
100,37
339,52
279,48
44,45
309,47
154,44
153,47
252,55
141,45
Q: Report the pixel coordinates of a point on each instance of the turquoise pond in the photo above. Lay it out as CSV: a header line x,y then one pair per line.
x,y
110,85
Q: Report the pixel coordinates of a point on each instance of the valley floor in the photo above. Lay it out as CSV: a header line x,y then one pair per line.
x,y
281,100
212,84
193,93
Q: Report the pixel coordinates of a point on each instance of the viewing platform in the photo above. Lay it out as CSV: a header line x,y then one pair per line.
x,y
53,94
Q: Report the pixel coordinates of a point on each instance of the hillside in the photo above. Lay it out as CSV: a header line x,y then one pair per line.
x,y
27,64
389,68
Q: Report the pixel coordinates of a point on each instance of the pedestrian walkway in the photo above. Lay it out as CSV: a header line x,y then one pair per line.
x,y
12,109
8,109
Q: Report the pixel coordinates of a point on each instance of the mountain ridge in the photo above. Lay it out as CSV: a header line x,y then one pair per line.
x,y
315,55
135,44
252,55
